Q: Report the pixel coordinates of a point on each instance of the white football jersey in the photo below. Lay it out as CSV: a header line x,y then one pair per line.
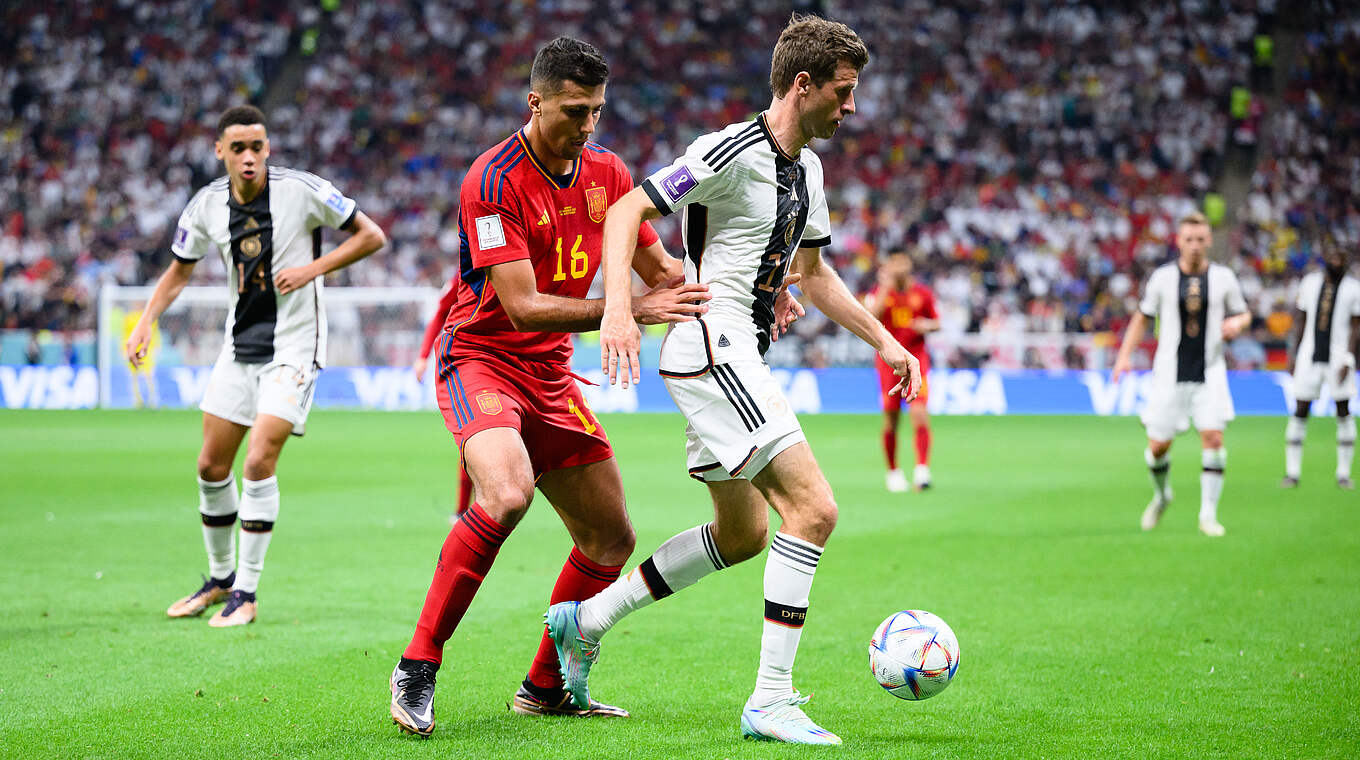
x,y
748,206
1190,310
279,229
1327,340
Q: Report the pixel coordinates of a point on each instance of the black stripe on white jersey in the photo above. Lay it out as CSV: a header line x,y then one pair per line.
x,y
791,213
1322,318
731,155
252,256
307,178
727,144
696,232
1193,293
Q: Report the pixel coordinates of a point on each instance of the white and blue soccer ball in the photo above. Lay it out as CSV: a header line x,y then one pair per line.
x,y
914,654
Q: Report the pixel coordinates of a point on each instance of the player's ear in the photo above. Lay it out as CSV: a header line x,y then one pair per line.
x,y
535,102
217,148
803,82
264,154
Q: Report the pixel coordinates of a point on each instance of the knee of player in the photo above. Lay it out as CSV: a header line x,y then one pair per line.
x,y
506,503
739,547
1213,440
213,471
259,465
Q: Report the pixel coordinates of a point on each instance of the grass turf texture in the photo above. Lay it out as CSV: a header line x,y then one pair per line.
x,y
1081,636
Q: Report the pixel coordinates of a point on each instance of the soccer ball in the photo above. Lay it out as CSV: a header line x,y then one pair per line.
x,y
913,654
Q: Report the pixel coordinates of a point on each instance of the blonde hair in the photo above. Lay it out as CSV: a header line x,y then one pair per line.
x,y
1193,217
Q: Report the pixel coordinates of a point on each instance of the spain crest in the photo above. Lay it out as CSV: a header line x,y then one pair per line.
x,y
489,402
597,202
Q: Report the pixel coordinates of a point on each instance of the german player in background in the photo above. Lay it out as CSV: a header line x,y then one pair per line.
x,y
265,222
1198,306
432,330
531,217
906,307
754,203
1326,343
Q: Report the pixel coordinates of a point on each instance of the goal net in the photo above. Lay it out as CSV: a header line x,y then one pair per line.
x,y
373,339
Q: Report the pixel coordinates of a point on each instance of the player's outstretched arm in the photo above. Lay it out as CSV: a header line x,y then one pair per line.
x,y
532,311
827,292
620,339
1133,335
168,288
365,238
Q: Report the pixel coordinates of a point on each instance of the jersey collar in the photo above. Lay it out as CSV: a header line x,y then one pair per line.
x,y
561,182
769,137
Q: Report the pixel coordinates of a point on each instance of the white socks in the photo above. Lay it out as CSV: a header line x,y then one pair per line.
x,y
217,507
1158,468
680,562
1345,445
259,510
789,568
1294,432
1211,483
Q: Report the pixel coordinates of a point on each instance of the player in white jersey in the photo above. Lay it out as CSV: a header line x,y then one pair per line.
x,y
265,223
1198,307
1326,342
754,203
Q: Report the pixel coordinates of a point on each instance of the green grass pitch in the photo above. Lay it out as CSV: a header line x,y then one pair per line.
x,y
1081,636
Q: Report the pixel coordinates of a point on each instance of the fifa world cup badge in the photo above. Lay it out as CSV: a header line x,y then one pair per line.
x,y
596,203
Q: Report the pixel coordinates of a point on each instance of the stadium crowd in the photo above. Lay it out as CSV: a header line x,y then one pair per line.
x,y
1033,155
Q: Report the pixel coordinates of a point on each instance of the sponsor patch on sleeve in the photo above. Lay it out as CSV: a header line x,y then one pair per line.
x,y
181,236
490,233
678,183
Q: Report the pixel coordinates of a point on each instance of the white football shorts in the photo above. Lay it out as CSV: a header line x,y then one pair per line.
x,y
239,392
1169,411
738,416
1309,377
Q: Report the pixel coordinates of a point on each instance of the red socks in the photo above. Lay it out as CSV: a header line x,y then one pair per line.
x,y
580,579
890,448
923,444
463,562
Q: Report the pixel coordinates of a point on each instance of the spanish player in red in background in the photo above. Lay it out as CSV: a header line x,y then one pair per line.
x,y
422,362
907,308
531,217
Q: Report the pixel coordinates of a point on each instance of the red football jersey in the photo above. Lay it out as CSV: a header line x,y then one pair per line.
x,y
513,208
899,307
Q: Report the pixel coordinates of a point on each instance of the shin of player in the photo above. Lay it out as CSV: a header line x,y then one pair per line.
x,y
1198,307
744,442
906,307
265,223
1326,339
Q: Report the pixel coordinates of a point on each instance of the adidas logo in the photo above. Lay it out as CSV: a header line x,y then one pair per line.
x,y
723,342
544,220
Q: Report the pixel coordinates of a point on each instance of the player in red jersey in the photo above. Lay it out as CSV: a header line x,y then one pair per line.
x,y
907,308
422,362
530,222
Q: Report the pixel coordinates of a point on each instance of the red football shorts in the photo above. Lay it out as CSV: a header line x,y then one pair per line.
x,y
886,380
478,391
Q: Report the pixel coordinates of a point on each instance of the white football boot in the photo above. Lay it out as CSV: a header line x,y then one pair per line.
x,y
784,721
896,481
1155,509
